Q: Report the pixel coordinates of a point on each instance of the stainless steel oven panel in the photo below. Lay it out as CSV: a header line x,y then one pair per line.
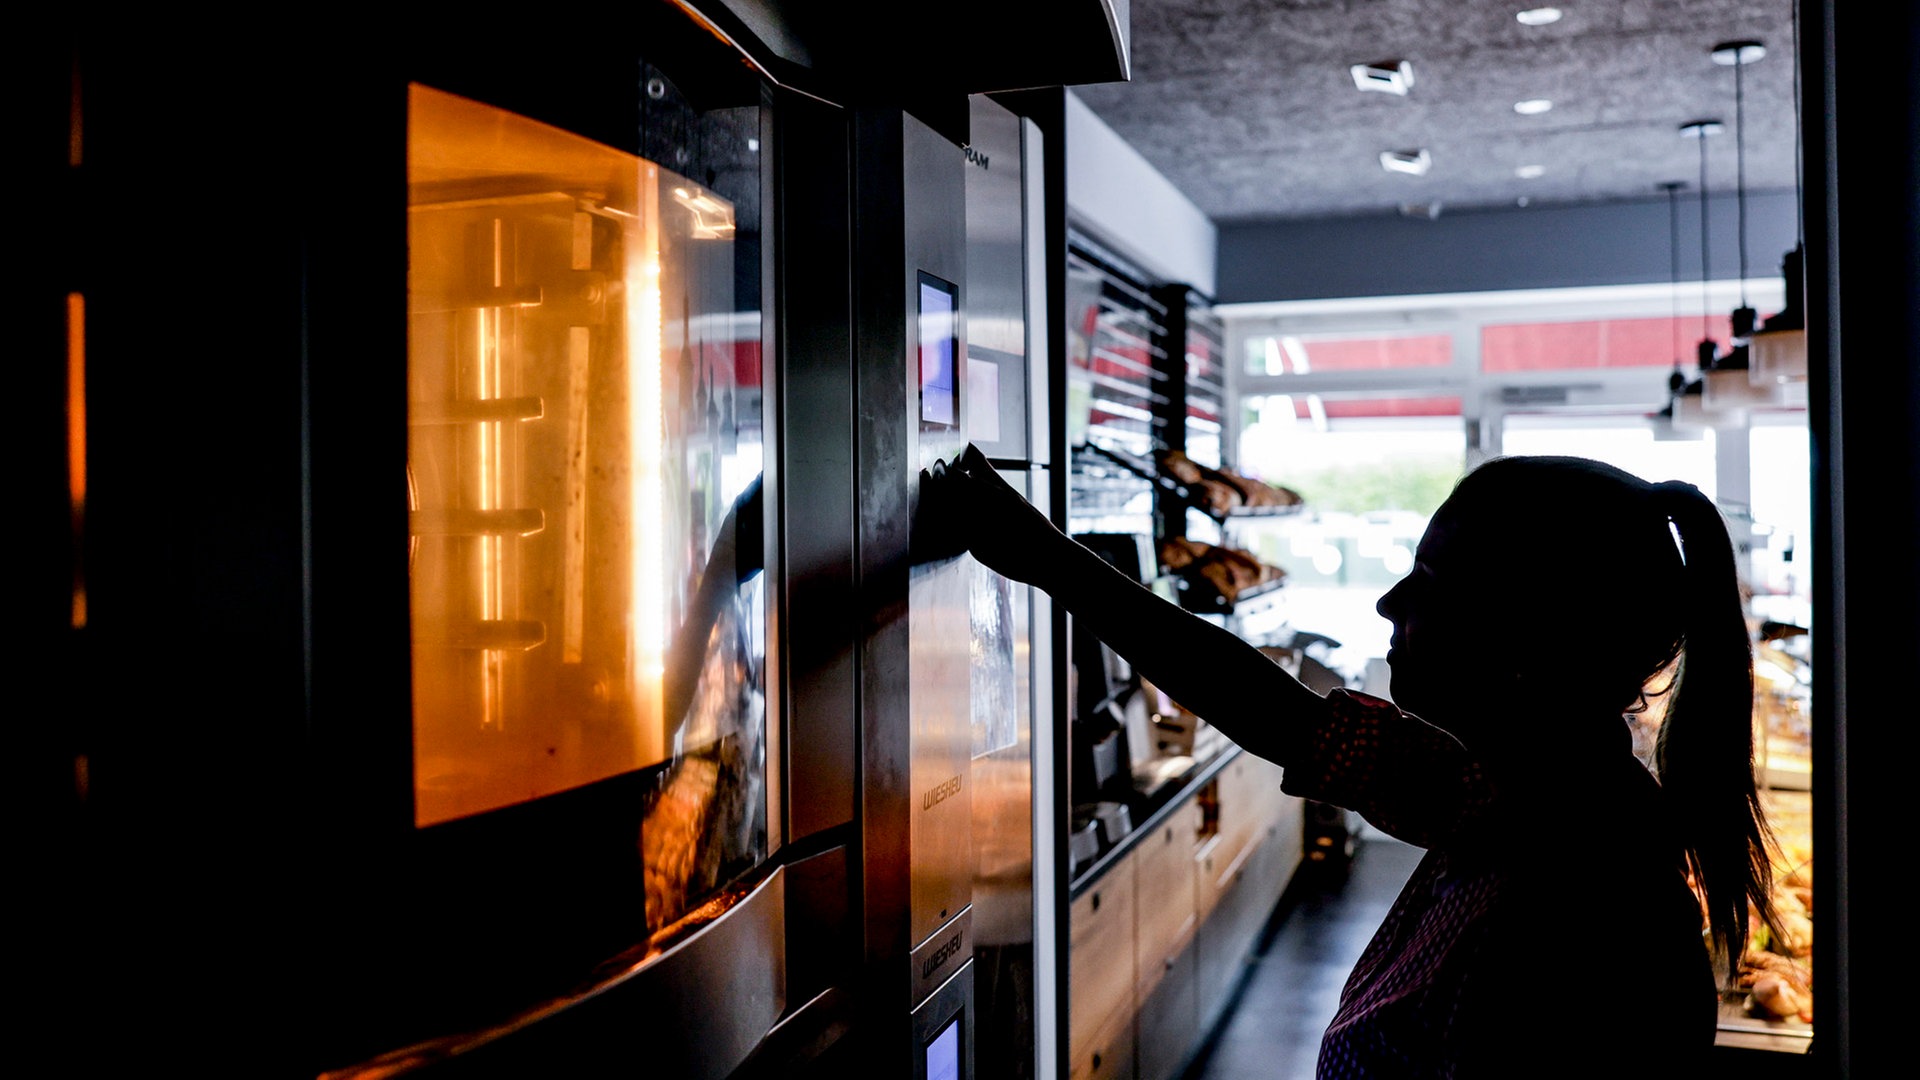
x,y
695,1011
997,368
1012,675
945,1030
939,662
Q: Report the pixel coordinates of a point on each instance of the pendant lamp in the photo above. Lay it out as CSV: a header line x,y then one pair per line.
x,y
1779,347
1730,387
1683,418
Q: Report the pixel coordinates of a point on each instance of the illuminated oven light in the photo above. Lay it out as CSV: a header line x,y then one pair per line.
x,y
573,573
490,330
646,422
77,447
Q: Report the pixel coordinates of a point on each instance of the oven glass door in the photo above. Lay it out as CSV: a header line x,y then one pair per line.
x,y
584,468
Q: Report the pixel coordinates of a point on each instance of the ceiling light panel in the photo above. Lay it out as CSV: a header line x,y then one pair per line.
x,y
1539,16
1532,106
1385,76
1412,162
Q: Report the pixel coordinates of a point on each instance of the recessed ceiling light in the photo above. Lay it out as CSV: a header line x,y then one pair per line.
x,y
1539,16
1389,76
1414,162
1529,172
1532,106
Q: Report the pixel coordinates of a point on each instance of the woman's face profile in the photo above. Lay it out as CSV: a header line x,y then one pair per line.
x,y
1445,616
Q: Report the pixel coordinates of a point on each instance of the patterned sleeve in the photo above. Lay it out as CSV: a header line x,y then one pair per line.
x,y
1406,777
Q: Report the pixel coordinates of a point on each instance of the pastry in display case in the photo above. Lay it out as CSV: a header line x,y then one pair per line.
x,y
1768,1003
1783,697
1216,576
1225,491
1771,996
1773,990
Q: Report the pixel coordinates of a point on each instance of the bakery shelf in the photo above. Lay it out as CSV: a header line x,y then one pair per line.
x,y
1196,597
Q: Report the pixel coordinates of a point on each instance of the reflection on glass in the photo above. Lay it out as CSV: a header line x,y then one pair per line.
x,y
995,704
584,459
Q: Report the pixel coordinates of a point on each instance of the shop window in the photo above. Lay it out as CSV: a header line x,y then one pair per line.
x,y
1781,464
1288,354
1371,471
1597,343
1354,419
1628,442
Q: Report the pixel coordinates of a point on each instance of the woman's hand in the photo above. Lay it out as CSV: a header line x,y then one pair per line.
x,y
966,506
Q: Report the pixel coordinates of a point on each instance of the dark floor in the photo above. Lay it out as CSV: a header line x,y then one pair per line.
x,y
1293,985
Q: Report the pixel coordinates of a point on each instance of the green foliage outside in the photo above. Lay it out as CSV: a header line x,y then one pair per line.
x,y
1416,484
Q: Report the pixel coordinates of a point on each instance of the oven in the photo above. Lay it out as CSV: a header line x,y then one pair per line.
x,y
488,627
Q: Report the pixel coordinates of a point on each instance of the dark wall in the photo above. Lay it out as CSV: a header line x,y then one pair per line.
x,y
1863,251
1541,247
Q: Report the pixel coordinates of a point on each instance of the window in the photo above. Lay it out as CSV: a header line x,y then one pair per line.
x,y
1369,408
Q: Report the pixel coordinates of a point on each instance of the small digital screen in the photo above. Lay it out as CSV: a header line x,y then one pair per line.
x,y
939,353
943,1054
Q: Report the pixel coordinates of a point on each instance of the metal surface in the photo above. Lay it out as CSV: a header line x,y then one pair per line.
x,y
817,413
1248,107
943,1030
1003,775
939,664
943,953
915,723
694,1011
998,419
841,52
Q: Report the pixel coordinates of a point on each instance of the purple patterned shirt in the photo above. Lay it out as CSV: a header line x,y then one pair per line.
x,y
1548,931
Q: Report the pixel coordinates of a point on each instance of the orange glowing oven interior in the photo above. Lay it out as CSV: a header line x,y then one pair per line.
x,y
583,474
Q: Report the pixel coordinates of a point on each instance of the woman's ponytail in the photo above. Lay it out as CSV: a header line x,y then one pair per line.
x,y
1704,752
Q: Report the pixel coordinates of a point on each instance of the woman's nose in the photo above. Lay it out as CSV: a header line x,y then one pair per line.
x,y
1389,601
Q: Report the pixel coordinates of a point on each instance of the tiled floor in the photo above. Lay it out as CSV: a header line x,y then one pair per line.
x,y
1273,1032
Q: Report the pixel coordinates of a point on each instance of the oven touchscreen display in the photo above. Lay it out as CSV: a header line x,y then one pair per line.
x,y
943,1054
939,353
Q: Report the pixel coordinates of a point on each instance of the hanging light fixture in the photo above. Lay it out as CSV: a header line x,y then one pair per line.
x,y
1695,408
1738,54
1707,352
1779,360
1683,418
1729,381
1779,347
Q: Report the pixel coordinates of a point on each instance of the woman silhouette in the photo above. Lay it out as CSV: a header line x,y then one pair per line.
x,y
1566,889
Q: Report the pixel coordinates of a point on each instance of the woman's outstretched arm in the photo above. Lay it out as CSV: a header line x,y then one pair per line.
x,y
1206,668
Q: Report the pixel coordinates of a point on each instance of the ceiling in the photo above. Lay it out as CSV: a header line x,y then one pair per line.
x,y
1249,107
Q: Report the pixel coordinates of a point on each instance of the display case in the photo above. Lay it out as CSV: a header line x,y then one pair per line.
x,y
1182,844
1770,1004
1767,1007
